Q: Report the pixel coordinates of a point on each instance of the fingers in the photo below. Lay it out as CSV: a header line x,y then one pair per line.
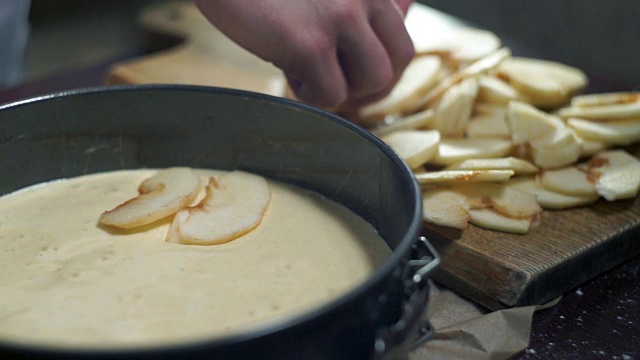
x,y
365,62
372,48
314,72
376,64
333,52
386,20
390,29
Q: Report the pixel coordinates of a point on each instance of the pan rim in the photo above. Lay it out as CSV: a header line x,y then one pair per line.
x,y
263,328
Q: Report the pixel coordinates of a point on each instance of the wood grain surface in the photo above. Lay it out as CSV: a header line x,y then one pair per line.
x,y
204,56
568,248
495,269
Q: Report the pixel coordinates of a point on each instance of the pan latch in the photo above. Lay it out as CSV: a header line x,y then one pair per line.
x,y
411,330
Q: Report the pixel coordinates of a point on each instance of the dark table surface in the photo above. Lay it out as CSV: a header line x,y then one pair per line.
x,y
598,320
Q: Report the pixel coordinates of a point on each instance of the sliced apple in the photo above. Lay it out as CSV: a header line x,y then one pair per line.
x,y
551,143
486,64
612,132
420,75
453,111
558,138
451,151
416,147
462,176
479,67
233,206
589,147
518,166
506,200
549,199
415,121
485,108
488,125
617,174
492,220
463,45
628,110
161,195
569,180
494,90
544,83
611,98
557,148
527,123
550,157
444,207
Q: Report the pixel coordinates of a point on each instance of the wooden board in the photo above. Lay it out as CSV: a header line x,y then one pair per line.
x,y
494,269
569,247
204,57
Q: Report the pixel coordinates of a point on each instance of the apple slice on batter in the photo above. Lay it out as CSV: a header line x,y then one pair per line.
x,y
162,195
233,206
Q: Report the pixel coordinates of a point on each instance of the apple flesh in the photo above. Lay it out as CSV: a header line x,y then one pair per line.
x,y
506,200
488,125
494,90
545,84
526,123
453,111
415,147
493,220
569,180
451,151
518,166
462,176
233,206
610,132
444,207
416,121
419,76
162,195
617,174
549,199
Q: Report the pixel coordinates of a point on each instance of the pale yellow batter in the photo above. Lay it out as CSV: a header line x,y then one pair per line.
x,y
65,281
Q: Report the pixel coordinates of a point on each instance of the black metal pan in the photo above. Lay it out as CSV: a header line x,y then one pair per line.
x,y
93,130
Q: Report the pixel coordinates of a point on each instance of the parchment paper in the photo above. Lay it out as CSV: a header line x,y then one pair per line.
x,y
465,330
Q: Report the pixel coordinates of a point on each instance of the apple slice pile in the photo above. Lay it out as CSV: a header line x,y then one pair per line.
x,y
234,205
494,139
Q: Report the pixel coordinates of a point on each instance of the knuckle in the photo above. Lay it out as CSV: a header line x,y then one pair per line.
x,y
346,12
373,82
313,45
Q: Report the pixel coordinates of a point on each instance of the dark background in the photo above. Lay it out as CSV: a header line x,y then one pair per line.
x,y
599,36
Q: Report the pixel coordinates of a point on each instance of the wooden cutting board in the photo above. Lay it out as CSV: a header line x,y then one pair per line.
x,y
203,57
494,269
568,248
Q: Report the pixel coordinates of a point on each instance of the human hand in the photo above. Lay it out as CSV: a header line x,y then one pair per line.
x,y
334,53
